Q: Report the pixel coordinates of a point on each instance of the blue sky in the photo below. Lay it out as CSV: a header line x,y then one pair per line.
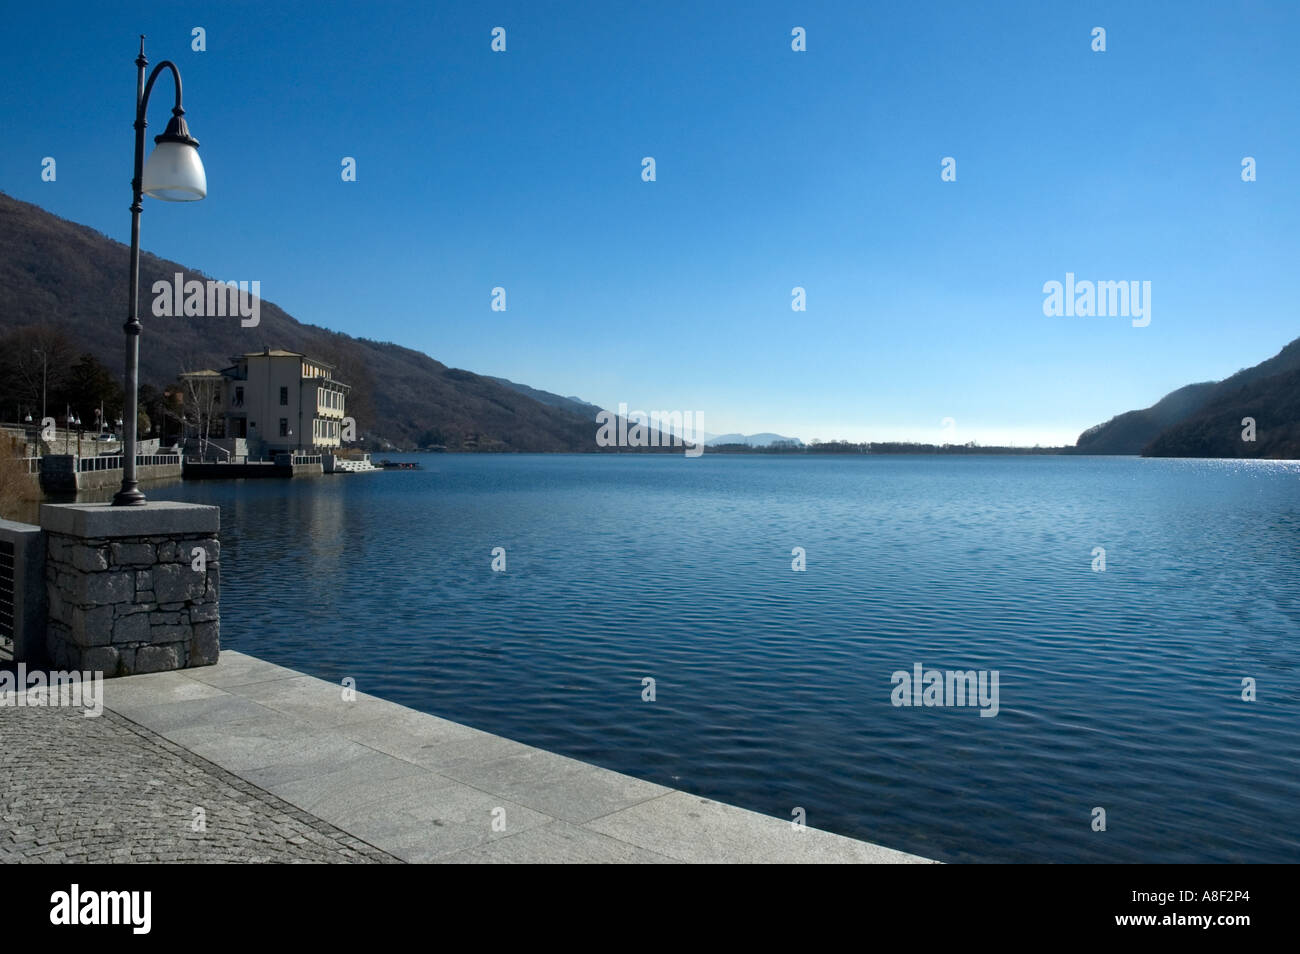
x,y
774,169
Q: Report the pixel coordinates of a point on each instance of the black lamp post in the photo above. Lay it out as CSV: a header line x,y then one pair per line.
x,y
45,368
174,173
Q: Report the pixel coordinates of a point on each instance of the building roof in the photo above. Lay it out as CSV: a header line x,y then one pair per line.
x,y
280,353
206,373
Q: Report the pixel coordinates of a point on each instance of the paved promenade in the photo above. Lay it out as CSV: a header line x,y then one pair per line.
x,y
74,789
286,770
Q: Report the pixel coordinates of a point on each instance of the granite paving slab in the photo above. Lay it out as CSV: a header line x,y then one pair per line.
x,y
311,772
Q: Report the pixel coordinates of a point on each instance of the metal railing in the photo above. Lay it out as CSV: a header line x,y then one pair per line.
x,y
114,461
8,602
230,459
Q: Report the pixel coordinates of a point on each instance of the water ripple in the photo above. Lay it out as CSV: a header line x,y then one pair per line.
x,y
1119,690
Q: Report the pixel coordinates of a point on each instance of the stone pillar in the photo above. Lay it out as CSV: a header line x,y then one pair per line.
x,y
132,589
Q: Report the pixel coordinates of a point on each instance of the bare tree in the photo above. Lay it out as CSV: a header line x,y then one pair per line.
x,y
17,489
34,362
200,400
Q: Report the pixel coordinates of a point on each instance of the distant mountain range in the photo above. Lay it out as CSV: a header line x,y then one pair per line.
x,y
573,405
60,274
1205,420
752,440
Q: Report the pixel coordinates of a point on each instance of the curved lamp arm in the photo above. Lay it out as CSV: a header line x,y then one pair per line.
x,y
176,130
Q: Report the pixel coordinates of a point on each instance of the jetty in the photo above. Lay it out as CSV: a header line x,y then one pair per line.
x,y
278,465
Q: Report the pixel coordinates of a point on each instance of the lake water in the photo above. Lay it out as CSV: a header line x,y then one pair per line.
x,y
1119,689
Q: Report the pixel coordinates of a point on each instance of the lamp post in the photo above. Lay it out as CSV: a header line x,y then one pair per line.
x,y
45,365
174,173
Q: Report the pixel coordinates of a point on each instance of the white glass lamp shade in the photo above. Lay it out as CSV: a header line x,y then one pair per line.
x,y
174,173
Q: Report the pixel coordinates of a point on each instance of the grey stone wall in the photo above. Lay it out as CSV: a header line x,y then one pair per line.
x,y
132,604
58,475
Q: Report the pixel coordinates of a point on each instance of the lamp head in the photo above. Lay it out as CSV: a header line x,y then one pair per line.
x,y
174,171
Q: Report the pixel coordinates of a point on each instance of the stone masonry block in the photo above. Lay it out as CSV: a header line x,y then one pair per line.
x,y
156,659
176,583
103,659
205,645
168,633
88,559
132,629
141,554
203,612
96,589
91,627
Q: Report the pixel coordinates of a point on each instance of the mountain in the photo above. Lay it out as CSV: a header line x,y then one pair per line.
x,y
60,274
1215,429
1131,431
1205,420
573,405
753,440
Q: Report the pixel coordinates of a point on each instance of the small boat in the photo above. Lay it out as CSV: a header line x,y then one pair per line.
x,y
398,464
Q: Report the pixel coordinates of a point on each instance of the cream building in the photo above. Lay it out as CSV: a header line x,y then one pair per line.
x,y
283,401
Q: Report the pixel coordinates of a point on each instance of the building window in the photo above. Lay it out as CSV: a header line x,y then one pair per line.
x,y
284,427
239,397
284,397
